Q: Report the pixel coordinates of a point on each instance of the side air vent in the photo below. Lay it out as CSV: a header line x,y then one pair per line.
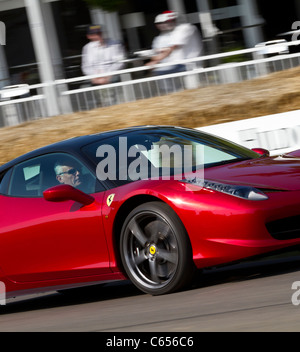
x,y
285,229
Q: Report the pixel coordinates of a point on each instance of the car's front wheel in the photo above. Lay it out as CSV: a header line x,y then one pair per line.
x,y
155,249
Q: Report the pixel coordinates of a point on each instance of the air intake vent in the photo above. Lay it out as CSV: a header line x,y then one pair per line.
x,y
285,229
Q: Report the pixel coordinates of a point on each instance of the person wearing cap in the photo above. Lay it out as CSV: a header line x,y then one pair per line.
x,y
175,43
101,56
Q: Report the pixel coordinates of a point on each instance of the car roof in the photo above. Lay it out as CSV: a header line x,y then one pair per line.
x,y
73,145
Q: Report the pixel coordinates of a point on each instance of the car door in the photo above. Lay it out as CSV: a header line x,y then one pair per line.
x,y
42,240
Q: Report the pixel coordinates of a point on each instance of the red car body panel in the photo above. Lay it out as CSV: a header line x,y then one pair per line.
x,y
43,241
214,220
276,172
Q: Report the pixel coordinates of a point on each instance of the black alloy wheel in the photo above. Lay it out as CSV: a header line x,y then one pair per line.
x,y
155,249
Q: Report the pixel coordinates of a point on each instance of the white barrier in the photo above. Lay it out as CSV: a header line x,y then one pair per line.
x,y
77,94
279,133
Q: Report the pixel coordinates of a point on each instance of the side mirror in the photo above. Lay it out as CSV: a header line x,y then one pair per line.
x,y
63,193
261,151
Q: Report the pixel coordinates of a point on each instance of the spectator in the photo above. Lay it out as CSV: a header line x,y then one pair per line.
x,y
175,42
101,56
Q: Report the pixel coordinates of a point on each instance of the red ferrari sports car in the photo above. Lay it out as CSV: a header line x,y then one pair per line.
x,y
150,204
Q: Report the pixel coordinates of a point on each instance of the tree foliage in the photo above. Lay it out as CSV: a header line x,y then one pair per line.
x,y
106,5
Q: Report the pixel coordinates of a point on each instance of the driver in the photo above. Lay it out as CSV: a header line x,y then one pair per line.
x,y
67,174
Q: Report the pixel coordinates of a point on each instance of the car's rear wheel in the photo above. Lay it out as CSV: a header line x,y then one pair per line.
x,y
155,249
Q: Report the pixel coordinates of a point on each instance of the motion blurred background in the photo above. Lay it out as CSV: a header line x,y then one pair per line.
x,y
224,24
41,53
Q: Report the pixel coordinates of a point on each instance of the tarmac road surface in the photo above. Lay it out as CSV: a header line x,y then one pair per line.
x,y
243,298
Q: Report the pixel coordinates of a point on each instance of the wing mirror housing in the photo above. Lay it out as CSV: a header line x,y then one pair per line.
x,y
62,193
261,151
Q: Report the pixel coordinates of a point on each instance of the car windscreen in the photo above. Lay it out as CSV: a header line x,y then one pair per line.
x,y
160,153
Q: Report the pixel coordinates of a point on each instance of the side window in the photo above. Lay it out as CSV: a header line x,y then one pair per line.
x,y
4,181
213,155
26,180
32,177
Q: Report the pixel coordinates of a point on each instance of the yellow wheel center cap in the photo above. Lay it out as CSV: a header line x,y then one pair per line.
x,y
152,250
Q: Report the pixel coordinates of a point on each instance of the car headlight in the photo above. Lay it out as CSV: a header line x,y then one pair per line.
x,y
244,192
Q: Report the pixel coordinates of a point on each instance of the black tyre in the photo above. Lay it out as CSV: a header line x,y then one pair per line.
x,y
155,249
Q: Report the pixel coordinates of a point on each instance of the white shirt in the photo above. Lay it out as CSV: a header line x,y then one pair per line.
x,y
188,36
98,58
185,37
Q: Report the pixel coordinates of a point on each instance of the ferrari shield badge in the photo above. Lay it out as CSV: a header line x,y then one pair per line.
x,y
110,199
